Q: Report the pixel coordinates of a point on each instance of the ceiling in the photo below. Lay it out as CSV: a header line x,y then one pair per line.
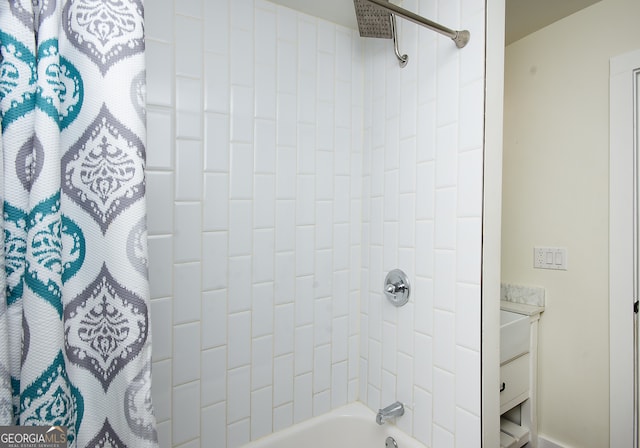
x,y
523,17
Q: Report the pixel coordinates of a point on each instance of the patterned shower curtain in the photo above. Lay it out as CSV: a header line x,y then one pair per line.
x,y
74,321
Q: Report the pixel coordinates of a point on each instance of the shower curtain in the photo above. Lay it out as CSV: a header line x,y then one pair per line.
x,y
74,323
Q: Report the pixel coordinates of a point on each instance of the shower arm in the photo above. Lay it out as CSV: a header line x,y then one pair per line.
x,y
459,37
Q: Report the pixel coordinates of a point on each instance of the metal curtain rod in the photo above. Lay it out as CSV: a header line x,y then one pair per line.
x,y
459,37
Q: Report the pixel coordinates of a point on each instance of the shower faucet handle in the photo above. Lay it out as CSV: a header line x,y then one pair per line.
x,y
396,287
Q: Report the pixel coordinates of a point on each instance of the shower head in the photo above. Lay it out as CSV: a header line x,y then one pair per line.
x,y
373,21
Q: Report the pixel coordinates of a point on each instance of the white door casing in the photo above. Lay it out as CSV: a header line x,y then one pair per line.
x,y
623,244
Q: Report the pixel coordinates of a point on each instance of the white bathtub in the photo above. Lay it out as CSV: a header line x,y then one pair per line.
x,y
351,426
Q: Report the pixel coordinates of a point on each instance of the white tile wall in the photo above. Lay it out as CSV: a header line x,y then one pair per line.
x,y
290,165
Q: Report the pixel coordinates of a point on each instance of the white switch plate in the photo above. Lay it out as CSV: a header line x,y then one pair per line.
x,y
550,258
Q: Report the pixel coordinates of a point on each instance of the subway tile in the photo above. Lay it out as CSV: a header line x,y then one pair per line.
x,y
287,24
423,303
262,363
164,434
303,397
217,143
159,138
303,350
261,412
470,183
340,339
304,300
444,399
215,202
239,342
286,66
242,15
186,353
307,44
339,384
325,125
186,412
239,298
287,120
214,318
444,342
161,390
469,266
214,425
423,362
159,202
238,394
286,173
162,321
445,219
189,169
282,380
242,113
186,299
189,47
468,388
266,33
442,437
265,146
426,133
265,92
471,436
471,126
324,175
445,280
160,80
321,403
425,191
389,347
324,224
423,413
240,227
242,61
239,433
160,265
323,274
282,417
306,149
262,310
217,93
187,235
284,332
407,165
446,155
326,77
322,321
158,21
263,255
213,376
284,290
304,250
216,33
321,368
189,113
468,311
241,175
264,201
214,260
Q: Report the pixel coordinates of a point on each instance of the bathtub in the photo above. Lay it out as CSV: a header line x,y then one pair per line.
x,y
351,426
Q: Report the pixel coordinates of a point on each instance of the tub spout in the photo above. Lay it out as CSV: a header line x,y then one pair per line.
x,y
393,410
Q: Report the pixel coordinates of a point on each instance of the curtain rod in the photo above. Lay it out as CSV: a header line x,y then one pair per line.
x,y
459,37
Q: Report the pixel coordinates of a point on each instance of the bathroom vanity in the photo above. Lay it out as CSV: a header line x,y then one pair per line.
x,y
518,373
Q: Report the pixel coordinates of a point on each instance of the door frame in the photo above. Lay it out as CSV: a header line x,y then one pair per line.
x,y
623,244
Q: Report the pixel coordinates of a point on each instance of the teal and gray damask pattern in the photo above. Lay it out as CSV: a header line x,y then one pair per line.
x,y
74,320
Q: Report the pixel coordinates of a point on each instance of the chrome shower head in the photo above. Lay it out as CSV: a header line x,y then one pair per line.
x,y
373,21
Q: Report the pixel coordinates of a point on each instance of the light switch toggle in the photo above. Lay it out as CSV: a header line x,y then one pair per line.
x,y
550,258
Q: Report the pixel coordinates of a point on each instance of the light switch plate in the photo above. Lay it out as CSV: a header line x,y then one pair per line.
x,y
550,258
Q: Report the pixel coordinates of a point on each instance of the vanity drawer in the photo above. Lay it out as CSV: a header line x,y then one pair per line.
x,y
514,381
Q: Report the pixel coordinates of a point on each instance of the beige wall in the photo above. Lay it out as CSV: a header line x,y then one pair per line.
x,y
555,192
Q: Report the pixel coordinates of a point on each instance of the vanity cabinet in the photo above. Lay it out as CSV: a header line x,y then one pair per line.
x,y
518,375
